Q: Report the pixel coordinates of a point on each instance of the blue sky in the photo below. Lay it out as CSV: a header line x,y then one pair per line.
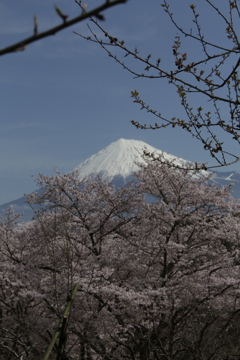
x,y
63,99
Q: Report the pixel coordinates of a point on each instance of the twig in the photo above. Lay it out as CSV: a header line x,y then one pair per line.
x,y
21,45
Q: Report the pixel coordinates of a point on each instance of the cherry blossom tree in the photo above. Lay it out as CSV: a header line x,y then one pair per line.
x,y
190,266
155,268
67,245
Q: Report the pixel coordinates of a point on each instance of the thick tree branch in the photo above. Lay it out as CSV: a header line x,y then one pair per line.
x,y
21,45
62,323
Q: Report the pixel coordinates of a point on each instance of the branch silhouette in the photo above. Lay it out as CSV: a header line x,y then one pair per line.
x,y
209,76
22,45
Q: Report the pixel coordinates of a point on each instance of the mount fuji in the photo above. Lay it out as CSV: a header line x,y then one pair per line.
x,y
117,164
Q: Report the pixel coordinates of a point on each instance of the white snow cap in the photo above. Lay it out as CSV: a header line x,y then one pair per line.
x,y
119,159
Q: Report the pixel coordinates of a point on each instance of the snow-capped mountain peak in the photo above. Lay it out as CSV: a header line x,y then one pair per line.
x,y
119,160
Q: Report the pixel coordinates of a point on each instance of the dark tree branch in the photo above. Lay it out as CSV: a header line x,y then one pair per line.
x,y
21,45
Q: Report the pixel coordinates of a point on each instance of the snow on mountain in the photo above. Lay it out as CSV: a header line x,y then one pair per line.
x,y
118,160
228,178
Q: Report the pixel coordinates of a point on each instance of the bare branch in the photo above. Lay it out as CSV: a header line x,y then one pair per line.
x,y
212,75
21,45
